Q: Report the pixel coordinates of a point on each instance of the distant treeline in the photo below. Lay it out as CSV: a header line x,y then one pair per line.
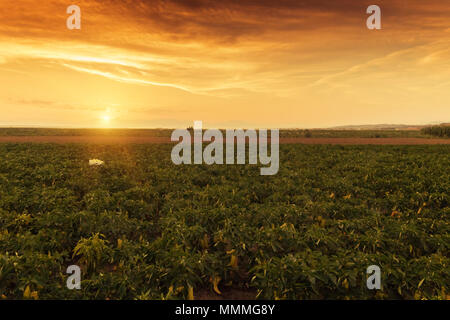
x,y
438,131
284,133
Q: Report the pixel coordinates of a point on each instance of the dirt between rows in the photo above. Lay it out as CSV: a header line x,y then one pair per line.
x,y
159,140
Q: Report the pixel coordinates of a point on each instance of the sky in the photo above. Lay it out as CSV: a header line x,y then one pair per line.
x,y
229,63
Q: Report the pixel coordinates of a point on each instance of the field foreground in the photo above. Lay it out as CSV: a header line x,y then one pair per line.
x,y
143,228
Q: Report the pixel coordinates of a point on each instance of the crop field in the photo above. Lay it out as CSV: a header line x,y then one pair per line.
x,y
141,227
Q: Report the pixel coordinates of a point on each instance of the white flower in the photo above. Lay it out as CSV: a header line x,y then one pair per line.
x,y
96,162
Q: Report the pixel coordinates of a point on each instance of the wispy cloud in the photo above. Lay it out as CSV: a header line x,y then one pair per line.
x,y
123,79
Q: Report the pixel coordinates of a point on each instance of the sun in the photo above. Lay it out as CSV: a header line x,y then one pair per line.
x,y
106,117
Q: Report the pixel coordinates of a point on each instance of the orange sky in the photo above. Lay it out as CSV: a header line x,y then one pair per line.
x,y
236,63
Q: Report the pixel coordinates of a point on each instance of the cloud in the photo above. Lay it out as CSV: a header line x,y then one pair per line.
x,y
414,62
131,22
50,104
236,54
116,77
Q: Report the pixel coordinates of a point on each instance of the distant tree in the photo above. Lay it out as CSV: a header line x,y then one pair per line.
x,y
308,133
437,131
